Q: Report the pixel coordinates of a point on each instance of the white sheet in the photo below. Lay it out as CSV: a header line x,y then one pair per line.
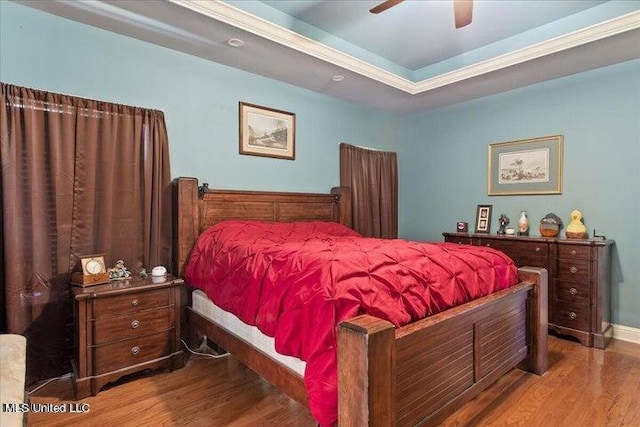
x,y
204,306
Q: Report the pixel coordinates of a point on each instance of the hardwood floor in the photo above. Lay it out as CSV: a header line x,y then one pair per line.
x,y
583,387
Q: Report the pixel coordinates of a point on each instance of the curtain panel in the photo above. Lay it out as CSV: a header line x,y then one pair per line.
x,y
79,177
372,176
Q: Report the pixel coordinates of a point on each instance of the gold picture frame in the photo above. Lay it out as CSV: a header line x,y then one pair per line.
x,y
267,132
525,166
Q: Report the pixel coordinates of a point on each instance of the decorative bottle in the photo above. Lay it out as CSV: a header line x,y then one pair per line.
x,y
523,224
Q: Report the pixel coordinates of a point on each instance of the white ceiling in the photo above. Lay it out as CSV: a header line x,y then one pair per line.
x,y
407,59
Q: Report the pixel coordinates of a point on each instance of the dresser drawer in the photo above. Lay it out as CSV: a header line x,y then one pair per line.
x,y
110,329
574,252
127,353
532,254
505,247
462,240
574,271
517,247
572,292
128,303
530,260
572,315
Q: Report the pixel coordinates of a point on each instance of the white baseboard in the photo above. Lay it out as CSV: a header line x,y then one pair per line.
x,y
626,333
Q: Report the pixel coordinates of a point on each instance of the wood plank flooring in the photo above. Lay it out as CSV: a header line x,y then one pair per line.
x,y
583,387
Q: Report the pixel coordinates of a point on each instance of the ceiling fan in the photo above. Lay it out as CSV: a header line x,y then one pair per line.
x,y
462,10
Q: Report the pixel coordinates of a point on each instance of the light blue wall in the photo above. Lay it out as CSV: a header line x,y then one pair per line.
x,y
443,164
442,154
199,98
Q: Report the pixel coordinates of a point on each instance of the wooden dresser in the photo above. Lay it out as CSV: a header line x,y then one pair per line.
x,y
579,279
123,327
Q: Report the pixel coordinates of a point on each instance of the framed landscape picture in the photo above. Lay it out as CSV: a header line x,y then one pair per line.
x,y
267,132
526,166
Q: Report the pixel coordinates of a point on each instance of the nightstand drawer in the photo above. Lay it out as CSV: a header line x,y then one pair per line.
x,y
121,304
572,315
574,252
127,353
110,329
572,292
575,271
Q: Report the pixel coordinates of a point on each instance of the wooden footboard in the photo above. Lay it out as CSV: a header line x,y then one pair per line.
x,y
421,373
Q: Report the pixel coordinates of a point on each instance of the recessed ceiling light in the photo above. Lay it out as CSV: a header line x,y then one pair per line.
x,y
337,78
235,42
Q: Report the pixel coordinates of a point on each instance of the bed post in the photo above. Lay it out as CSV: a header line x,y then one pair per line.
x,y
344,204
366,391
187,221
537,360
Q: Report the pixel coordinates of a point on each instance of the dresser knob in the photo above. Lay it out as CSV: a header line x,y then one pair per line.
x,y
135,350
134,302
574,270
488,245
572,315
136,323
537,248
573,291
573,252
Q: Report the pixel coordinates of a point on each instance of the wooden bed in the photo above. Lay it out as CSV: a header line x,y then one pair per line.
x,y
414,375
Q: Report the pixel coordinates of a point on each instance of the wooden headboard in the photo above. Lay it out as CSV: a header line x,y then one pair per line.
x,y
198,207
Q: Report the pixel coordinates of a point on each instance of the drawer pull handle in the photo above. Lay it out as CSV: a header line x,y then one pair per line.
x,y
574,270
572,315
136,323
573,252
135,349
573,291
537,248
134,302
488,244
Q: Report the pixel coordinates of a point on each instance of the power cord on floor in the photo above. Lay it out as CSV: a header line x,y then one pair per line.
x,y
197,353
50,380
68,375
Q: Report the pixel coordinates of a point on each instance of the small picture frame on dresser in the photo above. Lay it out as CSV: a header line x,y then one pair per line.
x,y
483,218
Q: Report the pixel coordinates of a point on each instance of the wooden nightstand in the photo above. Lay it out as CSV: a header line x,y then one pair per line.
x,y
122,327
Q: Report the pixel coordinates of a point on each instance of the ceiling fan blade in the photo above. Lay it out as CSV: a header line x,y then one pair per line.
x,y
463,12
385,5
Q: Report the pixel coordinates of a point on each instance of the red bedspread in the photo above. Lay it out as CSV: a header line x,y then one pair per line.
x,y
297,281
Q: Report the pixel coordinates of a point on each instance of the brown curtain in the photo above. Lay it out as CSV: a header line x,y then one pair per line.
x,y
78,177
372,176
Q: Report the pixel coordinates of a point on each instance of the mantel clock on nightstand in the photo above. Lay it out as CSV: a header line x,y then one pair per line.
x,y
122,327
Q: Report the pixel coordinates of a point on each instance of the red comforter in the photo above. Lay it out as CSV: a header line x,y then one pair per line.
x,y
297,281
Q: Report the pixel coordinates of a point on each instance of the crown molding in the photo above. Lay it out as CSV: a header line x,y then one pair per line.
x,y
612,27
238,18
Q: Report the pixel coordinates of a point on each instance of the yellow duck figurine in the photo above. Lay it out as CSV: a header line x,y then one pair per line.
x,y
576,229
